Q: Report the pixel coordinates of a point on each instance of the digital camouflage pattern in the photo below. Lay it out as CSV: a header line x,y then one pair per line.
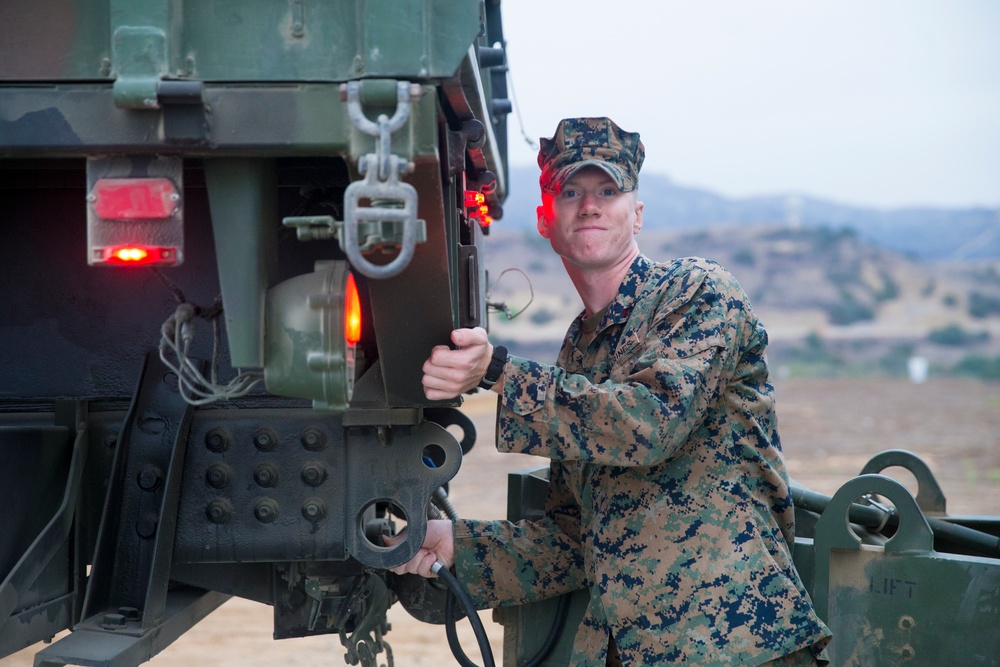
x,y
668,495
581,142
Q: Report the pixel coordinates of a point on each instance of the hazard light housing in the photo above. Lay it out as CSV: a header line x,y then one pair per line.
x,y
312,328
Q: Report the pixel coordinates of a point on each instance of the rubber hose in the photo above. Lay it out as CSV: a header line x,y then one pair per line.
x,y
470,610
562,611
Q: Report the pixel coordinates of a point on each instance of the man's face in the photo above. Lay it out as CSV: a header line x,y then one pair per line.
x,y
590,223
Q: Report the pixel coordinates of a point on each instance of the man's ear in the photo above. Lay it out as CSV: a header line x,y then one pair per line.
x,y
638,216
543,224
546,216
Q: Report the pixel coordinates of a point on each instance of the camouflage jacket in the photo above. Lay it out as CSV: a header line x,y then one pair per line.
x,y
668,496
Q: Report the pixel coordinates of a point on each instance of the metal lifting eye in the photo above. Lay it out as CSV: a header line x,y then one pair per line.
x,y
382,170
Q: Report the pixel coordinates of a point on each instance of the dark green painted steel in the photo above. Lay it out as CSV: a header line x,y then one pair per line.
x,y
242,194
235,40
902,603
267,107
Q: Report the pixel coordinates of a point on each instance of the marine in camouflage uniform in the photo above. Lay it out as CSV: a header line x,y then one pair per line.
x,y
668,496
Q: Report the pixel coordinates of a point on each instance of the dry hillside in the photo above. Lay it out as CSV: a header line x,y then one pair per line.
x,y
804,282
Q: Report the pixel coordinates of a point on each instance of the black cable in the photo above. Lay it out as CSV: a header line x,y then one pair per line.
x,y
452,634
558,623
562,611
458,591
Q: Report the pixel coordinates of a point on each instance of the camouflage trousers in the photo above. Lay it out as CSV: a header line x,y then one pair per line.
x,y
801,658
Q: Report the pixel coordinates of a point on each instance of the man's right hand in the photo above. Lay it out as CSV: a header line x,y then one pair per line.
x,y
451,372
438,546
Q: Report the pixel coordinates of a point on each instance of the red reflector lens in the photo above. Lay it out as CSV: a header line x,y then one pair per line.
x,y
352,311
134,198
136,255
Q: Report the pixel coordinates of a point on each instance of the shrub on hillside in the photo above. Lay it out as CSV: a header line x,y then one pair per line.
x,y
849,310
956,336
889,290
978,366
983,305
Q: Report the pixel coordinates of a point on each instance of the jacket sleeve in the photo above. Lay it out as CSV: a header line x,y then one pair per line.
x,y
504,563
659,395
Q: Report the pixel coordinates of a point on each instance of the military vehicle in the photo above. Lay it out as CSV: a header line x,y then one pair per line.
x,y
231,233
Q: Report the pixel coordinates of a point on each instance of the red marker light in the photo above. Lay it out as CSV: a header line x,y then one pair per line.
x,y
352,311
477,209
474,199
134,198
135,255
130,255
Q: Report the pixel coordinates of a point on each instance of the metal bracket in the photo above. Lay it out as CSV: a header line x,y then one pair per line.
x,y
930,498
391,200
372,234
139,54
24,575
136,538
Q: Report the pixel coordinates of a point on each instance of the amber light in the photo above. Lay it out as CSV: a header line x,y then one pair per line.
x,y
134,198
352,311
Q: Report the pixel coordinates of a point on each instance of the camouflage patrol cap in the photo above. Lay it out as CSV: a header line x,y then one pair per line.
x,y
579,142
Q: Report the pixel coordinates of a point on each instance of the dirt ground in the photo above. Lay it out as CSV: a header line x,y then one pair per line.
x,y
829,430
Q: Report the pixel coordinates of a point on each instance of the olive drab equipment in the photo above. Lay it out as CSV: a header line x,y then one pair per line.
x,y
234,230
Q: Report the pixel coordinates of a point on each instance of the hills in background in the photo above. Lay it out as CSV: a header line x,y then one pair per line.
x,y
921,232
840,289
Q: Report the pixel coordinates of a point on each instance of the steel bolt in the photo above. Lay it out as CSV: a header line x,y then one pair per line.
x,y
906,623
218,475
266,475
906,652
217,440
313,474
266,511
313,509
146,526
130,613
219,511
149,478
265,440
113,621
313,439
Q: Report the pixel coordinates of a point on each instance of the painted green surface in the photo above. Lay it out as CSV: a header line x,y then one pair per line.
x,y
235,40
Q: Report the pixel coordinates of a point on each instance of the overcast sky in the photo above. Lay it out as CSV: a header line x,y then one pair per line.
x,y
869,102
